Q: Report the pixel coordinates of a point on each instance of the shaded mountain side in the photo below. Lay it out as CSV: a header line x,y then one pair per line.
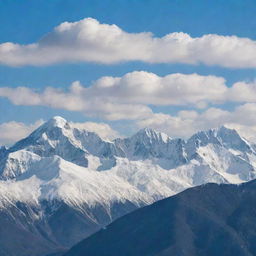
x,y
27,231
207,220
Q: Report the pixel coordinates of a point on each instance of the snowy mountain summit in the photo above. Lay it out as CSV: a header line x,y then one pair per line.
x,y
60,171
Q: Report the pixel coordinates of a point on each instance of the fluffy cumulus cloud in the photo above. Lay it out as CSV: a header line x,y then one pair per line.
x,y
11,132
149,88
90,41
130,96
76,99
243,92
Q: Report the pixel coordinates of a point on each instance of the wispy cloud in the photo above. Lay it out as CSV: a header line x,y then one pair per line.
x,y
88,40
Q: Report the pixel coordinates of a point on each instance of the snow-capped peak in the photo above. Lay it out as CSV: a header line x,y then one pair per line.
x,y
220,135
57,121
152,134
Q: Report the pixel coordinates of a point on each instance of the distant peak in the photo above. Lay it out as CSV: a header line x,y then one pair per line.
x,y
57,121
223,130
227,129
151,133
147,130
217,131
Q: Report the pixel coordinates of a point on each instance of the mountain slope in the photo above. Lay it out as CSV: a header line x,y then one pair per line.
x,y
207,220
61,173
60,203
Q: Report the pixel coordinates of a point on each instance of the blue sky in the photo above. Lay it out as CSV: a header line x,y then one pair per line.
x,y
25,22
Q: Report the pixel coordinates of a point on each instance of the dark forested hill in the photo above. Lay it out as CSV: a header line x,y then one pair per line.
x,y
207,220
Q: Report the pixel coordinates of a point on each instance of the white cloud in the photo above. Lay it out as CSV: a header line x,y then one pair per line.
x,y
88,40
76,99
21,95
148,88
129,97
242,92
12,131
126,97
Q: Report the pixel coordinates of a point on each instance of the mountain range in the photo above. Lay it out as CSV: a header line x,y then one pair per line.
x,y
61,184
